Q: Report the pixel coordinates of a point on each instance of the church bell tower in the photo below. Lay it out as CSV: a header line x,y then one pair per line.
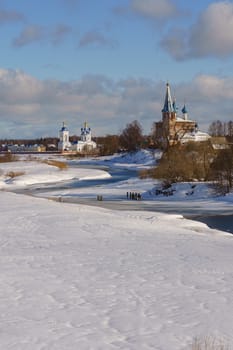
x,y
64,143
169,108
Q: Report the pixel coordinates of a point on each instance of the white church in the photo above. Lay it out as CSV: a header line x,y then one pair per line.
x,y
85,144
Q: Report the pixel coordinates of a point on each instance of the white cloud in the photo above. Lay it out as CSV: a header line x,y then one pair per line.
x,y
159,9
35,33
96,39
106,104
208,98
10,16
18,87
35,108
59,33
214,88
211,35
175,43
29,34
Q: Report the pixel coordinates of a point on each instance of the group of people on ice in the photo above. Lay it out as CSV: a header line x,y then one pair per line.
x,y
133,195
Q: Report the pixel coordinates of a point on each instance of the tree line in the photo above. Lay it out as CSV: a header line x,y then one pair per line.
x,y
218,128
188,162
130,139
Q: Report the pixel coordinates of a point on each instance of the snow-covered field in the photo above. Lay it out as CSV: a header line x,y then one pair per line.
x,y
81,277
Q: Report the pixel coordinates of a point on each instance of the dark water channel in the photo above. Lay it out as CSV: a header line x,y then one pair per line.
x,y
220,222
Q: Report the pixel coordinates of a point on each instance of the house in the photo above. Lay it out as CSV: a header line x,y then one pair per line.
x,y
219,143
26,148
174,128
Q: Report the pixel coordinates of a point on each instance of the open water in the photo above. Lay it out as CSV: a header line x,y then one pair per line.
x,y
220,222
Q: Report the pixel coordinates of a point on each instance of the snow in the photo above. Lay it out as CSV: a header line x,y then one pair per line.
x,y
134,160
35,172
82,277
196,136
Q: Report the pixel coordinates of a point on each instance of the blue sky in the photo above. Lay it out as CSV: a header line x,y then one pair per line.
x,y
107,62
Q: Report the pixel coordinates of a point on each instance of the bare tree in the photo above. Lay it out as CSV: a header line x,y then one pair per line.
x,y
230,128
185,163
222,170
108,144
131,137
217,128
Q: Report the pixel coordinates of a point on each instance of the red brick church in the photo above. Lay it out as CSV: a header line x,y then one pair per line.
x,y
173,129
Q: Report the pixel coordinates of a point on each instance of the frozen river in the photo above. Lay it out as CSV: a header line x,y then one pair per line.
x,y
213,216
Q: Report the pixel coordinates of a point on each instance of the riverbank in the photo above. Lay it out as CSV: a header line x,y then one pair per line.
x,y
111,178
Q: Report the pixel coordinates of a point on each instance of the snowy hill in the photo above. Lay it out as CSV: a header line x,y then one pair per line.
x,y
136,160
77,277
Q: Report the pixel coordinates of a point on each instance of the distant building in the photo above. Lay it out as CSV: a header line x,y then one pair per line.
x,y
85,144
173,129
219,143
64,143
25,148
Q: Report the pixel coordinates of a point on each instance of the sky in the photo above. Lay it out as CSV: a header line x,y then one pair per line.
x,y
107,62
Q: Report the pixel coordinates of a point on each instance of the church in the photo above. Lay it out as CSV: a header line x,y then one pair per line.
x,y
85,144
173,129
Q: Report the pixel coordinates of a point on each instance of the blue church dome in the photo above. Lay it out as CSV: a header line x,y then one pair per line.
x,y
64,128
184,110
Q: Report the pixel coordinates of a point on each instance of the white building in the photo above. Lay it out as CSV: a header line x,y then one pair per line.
x,y
196,136
64,143
85,144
